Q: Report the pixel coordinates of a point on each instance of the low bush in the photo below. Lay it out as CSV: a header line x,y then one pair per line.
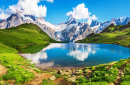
x,y
126,78
102,76
120,63
19,74
94,83
125,83
46,82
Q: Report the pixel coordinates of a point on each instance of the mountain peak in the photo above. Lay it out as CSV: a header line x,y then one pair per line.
x,y
71,20
30,17
40,18
16,16
70,17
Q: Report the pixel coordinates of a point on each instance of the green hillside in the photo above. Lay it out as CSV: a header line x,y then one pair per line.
x,y
119,35
24,36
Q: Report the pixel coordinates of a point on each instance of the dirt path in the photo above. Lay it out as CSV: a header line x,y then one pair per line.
x,y
121,71
3,70
39,77
62,81
110,65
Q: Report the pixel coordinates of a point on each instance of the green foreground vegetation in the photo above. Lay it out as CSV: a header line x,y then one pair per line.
x,y
23,39
119,35
11,60
105,74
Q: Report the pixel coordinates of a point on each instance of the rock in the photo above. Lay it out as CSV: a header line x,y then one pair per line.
x,y
66,73
73,71
78,71
77,77
71,79
38,76
73,76
69,71
52,78
88,71
60,72
69,75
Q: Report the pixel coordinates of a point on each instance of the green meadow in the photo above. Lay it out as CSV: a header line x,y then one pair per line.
x,y
25,37
119,35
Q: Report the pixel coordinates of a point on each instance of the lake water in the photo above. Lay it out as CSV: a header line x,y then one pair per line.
x,y
58,55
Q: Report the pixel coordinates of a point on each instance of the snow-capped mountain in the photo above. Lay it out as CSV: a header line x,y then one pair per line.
x,y
97,27
71,30
18,19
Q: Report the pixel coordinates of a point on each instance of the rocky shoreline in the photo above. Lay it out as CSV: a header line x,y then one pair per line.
x,y
103,74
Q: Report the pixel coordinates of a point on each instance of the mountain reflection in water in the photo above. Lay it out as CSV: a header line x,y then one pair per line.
x,y
77,55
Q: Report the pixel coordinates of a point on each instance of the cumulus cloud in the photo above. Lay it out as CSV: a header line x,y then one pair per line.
x,y
80,12
30,7
3,15
50,1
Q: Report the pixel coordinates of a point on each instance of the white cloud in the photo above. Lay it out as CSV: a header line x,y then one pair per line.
x,y
50,1
3,15
80,12
93,17
30,7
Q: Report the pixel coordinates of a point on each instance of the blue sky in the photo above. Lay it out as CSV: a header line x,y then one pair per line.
x,y
56,11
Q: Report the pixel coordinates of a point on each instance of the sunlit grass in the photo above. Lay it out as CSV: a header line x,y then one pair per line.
x,y
111,35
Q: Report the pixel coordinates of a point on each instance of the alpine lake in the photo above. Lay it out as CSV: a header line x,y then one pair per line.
x,y
62,55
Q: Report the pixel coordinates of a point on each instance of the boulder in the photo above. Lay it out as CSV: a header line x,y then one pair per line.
x,y
66,73
71,79
60,72
78,71
88,71
52,78
69,71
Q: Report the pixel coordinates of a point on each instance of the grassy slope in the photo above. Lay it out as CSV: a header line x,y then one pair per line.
x,y
24,36
111,35
11,60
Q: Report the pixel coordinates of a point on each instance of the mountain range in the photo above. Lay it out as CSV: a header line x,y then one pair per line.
x,y
98,26
71,30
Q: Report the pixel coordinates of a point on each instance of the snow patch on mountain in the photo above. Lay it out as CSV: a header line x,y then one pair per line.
x,y
97,27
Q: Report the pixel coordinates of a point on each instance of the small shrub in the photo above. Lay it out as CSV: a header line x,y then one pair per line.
x,y
82,80
19,74
46,82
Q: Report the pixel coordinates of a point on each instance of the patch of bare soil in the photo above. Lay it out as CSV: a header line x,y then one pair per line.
x,y
39,77
121,72
3,70
62,81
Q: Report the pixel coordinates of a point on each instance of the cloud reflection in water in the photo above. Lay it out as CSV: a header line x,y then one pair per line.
x,y
81,55
64,54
